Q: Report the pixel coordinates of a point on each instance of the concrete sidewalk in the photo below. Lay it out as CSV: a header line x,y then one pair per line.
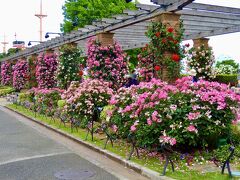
x,y
30,151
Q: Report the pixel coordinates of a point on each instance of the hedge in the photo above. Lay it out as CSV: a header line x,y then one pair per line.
x,y
227,78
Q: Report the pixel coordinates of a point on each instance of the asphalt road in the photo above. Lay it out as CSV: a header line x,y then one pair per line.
x,y
27,154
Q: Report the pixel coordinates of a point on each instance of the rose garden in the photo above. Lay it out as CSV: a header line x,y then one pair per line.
x,y
190,120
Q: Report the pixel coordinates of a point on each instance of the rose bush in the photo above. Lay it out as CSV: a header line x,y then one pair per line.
x,y
107,63
46,98
161,57
46,70
184,114
6,74
85,99
201,60
69,65
20,75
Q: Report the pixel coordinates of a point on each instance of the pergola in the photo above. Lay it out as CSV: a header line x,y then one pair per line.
x,y
128,28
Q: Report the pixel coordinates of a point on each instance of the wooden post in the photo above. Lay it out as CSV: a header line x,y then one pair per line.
x,y
199,42
170,20
106,38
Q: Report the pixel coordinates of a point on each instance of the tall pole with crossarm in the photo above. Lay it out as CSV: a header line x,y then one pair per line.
x,y
4,44
41,16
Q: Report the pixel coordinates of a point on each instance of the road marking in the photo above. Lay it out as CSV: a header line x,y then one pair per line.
x,y
34,157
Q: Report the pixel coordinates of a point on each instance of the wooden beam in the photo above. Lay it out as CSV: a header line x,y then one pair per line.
x,y
208,14
209,20
213,8
216,32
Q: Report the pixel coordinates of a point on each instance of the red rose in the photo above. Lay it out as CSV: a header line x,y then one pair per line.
x,y
175,42
157,68
146,45
80,73
170,39
175,57
158,34
170,30
164,41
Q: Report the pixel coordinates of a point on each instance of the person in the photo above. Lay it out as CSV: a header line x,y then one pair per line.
x,y
132,80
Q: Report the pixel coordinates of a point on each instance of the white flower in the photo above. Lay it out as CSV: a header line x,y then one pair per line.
x,y
192,72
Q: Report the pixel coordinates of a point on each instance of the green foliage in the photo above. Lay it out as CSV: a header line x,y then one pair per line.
x,y
10,52
69,65
227,78
230,62
161,57
223,152
235,135
61,103
78,13
104,115
133,58
32,67
4,90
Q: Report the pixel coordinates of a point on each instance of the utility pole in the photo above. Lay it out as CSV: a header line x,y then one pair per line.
x,y
40,16
4,44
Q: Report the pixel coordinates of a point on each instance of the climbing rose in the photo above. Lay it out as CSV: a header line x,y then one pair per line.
x,y
175,57
157,68
170,30
158,34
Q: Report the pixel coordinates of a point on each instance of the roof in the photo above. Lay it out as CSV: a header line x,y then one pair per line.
x,y
199,20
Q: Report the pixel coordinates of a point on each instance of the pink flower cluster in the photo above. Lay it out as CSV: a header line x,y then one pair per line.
x,y
37,91
107,63
46,69
20,74
89,95
168,140
6,73
211,92
182,111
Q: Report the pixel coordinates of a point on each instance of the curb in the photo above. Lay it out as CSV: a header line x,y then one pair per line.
x,y
135,167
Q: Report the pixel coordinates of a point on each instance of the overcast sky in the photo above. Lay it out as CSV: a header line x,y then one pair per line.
x,y
17,16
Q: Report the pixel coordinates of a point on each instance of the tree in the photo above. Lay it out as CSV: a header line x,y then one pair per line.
x,y
78,13
230,62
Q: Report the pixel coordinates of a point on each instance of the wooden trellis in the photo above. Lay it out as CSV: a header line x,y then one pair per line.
x,y
199,20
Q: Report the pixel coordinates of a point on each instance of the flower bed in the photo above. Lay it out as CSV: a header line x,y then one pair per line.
x,y
187,114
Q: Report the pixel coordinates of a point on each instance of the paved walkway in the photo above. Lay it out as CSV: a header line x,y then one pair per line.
x,y
31,152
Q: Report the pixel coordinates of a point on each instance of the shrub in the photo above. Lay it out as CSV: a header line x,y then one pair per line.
x,y
187,114
32,63
200,61
227,79
4,90
20,75
69,65
6,74
161,57
46,98
107,63
89,97
45,70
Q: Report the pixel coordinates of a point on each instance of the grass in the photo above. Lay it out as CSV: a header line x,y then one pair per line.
x,y
4,90
122,149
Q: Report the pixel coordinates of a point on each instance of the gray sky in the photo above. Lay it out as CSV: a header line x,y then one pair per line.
x,y
17,16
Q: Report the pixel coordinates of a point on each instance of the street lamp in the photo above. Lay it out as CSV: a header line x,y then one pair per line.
x,y
47,34
30,42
